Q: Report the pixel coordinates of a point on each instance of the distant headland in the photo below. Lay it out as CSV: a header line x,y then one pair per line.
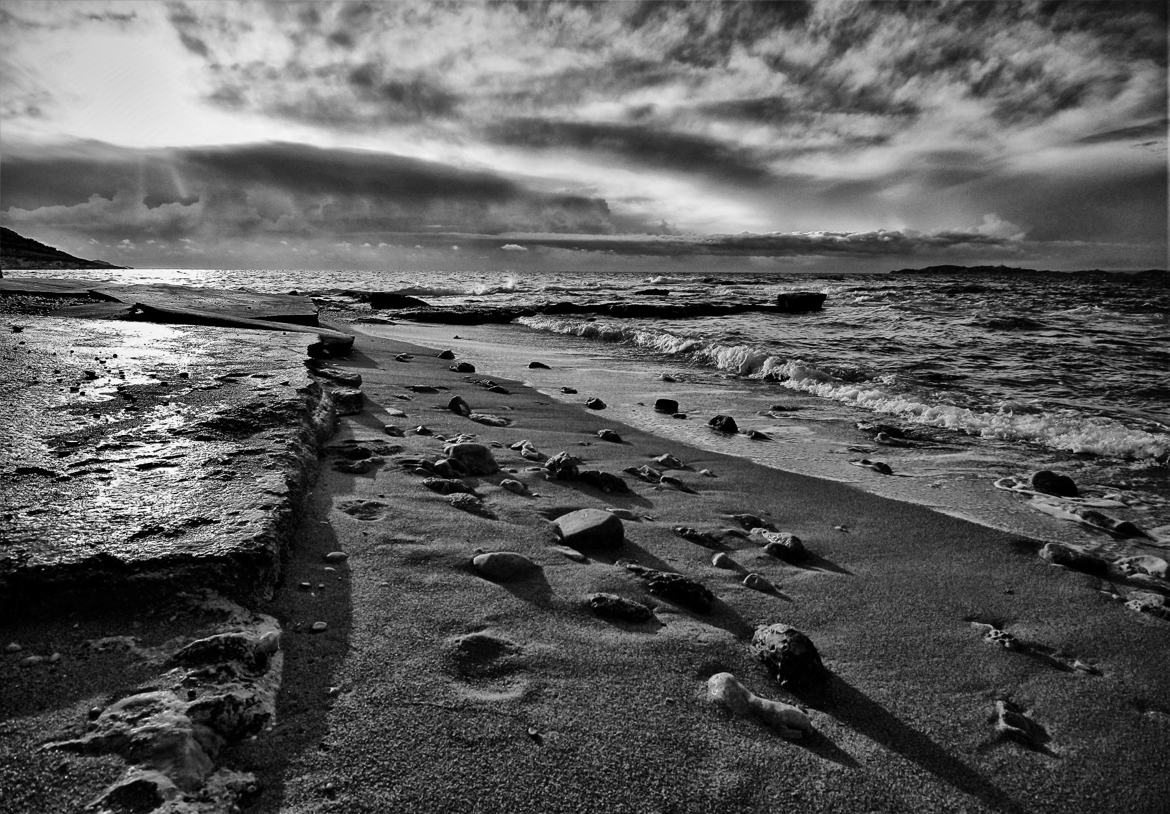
x,y
946,269
20,252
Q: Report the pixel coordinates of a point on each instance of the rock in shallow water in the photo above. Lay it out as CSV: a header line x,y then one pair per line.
x,y
1052,483
587,529
789,656
724,424
787,720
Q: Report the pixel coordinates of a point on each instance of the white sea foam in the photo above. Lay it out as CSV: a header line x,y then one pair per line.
x,y
510,283
1061,430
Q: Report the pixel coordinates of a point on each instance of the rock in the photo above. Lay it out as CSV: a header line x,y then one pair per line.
x,y
471,504
1051,483
756,435
877,466
403,357
679,416
605,481
666,406
445,354
340,376
336,556
571,553
449,468
531,453
458,406
782,545
319,627
538,366
798,302
707,473
489,419
348,400
590,529
612,606
504,566
670,480
252,651
674,587
357,467
609,435
646,473
1142,564
476,459
391,430
1148,603
787,720
703,538
392,299
562,466
569,391
514,486
422,388
32,661
759,583
12,647
789,656
447,486
1012,724
595,404
668,461
1069,557
463,367
394,412
723,560
724,424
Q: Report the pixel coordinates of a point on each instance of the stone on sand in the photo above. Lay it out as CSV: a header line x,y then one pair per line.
x,y
609,435
666,406
458,406
538,366
1069,557
723,560
445,354
562,466
789,656
612,606
463,367
782,545
476,459
446,486
674,587
587,529
514,486
503,566
787,720
759,583
595,403
605,481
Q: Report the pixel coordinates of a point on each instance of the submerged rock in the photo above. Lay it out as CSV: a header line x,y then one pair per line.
x,y
589,529
797,302
1052,483
724,424
612,606
787,720
789,656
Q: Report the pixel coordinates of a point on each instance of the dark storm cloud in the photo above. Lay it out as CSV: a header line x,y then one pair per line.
x,y
635,143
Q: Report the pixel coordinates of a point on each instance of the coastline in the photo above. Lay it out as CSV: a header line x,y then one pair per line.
x,y
437,689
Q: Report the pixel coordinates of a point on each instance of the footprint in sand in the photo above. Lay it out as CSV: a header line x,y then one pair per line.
x,y
364,509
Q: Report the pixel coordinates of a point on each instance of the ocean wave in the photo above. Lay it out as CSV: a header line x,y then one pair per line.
x,y
1066,430
509,285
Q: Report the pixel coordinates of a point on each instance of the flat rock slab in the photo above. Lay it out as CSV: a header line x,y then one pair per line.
x,y
136,450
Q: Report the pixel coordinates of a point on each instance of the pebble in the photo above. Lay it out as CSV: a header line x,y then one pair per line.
x,y
572,553
569,391
32,661
756,435
590,529
538,366
787,720
319,627
707,473
612,606
305,586
13,647
503,566
458,406
336,556
396,432
514,486
53,659
668,461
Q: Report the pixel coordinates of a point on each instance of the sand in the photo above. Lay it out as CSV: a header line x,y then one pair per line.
x,y
435,689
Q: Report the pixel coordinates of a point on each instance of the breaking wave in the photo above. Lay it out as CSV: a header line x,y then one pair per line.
x,y
1065,430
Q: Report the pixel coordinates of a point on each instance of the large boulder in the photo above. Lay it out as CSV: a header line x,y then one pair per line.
x,y
789,656
724,424
587,529
797,302
1053,483
476,459
348,400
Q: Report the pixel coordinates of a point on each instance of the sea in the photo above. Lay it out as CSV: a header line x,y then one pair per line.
x,y
976,379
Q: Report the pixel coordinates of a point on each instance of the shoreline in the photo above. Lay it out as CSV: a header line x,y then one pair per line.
x,y
435,688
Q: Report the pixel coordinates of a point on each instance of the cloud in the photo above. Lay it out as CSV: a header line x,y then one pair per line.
x,y
513,247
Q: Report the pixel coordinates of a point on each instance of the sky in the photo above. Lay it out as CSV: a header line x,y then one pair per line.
x,y
823,135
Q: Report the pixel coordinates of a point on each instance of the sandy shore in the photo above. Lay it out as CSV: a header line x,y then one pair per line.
x,y
433,688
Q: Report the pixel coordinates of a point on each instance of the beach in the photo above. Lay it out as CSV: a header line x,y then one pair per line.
x,y
963,672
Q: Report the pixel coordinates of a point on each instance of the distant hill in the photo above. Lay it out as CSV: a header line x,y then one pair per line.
x,y
973,270
20,252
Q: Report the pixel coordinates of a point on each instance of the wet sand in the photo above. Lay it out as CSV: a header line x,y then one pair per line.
x,y
433,688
